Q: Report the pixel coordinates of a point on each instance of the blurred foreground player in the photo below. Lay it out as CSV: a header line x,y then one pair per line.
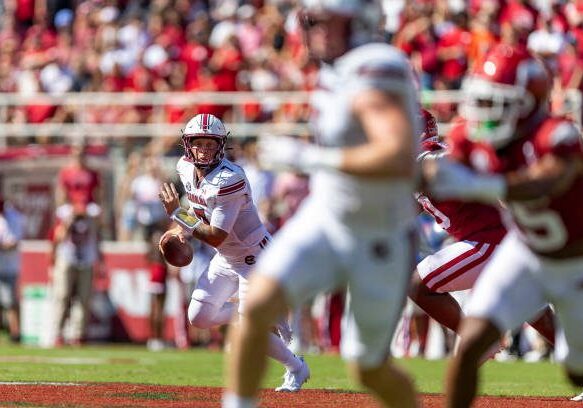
x,y
509,148
354,229
221,214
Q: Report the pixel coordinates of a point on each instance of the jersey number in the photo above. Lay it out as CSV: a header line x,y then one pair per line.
x,y
441,219
544,230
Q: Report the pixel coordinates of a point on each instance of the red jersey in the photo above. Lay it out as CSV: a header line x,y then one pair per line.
x,y
548,224
466,221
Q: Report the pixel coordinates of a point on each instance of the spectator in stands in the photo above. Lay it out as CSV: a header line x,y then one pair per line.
x,y
157,288
416,37
261,180
125,207
11,233
144,192
546,42
570,77
78,183
75,255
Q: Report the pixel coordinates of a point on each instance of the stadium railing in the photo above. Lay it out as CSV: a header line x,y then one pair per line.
x,y
81,127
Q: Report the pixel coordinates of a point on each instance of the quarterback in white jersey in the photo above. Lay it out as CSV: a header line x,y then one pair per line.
x,y
354,229
223,215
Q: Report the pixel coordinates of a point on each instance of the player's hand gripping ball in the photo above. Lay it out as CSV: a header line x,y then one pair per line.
x,y
176,252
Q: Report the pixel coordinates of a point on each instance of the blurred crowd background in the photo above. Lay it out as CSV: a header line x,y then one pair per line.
x,y
52,50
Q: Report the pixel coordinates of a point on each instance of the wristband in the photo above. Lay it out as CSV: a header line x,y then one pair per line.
x,y
186,221
321,157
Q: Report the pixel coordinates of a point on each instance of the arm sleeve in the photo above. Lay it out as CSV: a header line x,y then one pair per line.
x,y
226,212
458,144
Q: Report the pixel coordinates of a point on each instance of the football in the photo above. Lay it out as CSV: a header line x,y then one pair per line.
x,y
175,252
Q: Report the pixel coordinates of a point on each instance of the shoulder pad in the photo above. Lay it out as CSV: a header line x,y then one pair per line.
x,y
183,164
229,178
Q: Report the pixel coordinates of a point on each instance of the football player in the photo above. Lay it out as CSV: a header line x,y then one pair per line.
x,y
221,214
509,148
354,229
477,229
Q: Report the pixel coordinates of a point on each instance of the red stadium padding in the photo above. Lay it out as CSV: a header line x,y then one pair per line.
x,y
121,302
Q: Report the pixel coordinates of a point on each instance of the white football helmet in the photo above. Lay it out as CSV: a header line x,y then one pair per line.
x,y
502,93
206,126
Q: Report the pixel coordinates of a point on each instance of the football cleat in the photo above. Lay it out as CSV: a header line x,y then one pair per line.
x,y
293,380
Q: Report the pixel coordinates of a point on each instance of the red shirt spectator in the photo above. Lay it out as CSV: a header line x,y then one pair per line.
x,y
77,183
452,50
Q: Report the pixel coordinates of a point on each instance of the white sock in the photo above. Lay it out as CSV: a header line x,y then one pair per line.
x,y
278,351
231,400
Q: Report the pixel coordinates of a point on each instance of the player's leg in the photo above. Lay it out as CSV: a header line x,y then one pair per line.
x,y
563,284
389,383
209,305
454,268
249,338
505,295
379,275
297,370
440,306
284,278
477,336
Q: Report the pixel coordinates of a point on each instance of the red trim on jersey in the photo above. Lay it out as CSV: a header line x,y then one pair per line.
x,y
464,269
232,188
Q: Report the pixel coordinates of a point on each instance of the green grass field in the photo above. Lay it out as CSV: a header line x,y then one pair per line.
x,y
134,364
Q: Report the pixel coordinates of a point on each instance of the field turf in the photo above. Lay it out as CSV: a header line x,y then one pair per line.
x,y
197,367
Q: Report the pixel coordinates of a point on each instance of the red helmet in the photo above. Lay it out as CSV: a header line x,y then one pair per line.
x,y
502,92
205,126
430,140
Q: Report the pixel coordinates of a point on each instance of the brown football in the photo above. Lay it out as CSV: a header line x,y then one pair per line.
x,y
175,252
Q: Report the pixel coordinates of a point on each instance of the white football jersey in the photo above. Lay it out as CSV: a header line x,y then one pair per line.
x,y
227,181
360,201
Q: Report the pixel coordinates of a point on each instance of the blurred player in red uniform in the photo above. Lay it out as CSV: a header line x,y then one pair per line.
x,y
509,148
477,229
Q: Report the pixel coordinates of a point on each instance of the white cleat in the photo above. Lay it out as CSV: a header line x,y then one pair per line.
x,y
578,397
293,380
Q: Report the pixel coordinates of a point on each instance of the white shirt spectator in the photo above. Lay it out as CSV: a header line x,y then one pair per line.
x,y
56,79
11,232
544,42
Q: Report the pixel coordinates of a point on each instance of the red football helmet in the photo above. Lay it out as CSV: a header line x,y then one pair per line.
x,y
205,126
502,93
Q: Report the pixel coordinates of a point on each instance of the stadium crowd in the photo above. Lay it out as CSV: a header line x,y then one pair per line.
x,y
229,45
